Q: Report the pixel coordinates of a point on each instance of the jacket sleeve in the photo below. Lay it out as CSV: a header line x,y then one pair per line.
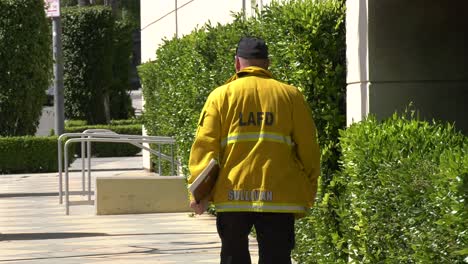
x,y
207,142
305,139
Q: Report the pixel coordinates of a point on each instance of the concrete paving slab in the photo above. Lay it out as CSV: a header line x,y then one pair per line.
x,y
35,229
39,232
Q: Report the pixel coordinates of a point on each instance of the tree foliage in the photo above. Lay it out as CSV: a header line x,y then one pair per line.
x,y
96,52
25,65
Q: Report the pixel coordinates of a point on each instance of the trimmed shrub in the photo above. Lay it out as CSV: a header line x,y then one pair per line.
x,y
97,54
307,46
176,85
75,123
306,40
131,121
87,54
110,149
129,129
120,102
117,122
404,192
29,154
25,63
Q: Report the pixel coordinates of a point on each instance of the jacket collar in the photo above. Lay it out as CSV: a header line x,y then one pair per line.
x,y
250,71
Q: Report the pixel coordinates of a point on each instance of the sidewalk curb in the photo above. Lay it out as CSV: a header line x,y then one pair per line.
x,y
39,194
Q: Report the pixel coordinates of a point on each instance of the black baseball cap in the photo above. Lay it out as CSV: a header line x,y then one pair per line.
x,y
252,48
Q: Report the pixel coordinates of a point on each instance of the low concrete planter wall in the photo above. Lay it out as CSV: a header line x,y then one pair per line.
x,y
141,193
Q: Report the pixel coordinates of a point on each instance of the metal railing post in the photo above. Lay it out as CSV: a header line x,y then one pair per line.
x,y
67,195
173,160
159,160
83,157
103,137
59,158
89,169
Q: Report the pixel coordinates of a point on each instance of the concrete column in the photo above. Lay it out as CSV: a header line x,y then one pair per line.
x,y
408,51
357,92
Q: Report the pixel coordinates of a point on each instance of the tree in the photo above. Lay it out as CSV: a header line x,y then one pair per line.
x,y
25,65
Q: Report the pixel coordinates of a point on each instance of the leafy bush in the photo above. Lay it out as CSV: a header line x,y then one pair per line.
x,y
131,121
129,129
110,149
404,192
306,40
176,85
307,46
116,122
119,97
28,154
97,54
25,63
75,123
87,53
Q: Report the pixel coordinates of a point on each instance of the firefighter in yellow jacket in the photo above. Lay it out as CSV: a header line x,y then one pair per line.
x,y
262,134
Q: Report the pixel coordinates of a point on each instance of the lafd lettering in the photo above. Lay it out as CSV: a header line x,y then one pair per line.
x,y
256,119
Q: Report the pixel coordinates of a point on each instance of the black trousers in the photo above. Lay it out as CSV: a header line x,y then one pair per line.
x,y
275,236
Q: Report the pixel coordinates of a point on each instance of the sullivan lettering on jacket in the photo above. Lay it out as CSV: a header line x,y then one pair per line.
x,y
256,119
250,195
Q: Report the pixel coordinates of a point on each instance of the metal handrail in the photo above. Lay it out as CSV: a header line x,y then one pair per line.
x,y
88,158
107,131
108,134
114,139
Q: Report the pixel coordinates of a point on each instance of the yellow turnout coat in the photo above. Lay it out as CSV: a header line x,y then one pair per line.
x,y
262,133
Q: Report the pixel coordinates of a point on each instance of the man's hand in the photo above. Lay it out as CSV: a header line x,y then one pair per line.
x,y
200,207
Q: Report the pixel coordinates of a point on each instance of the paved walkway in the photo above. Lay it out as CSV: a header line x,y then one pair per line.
x,y
35,229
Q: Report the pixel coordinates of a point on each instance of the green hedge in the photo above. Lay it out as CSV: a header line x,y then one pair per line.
x,y
116,122
25,65
131,121
75,123
307,44
97,55
403,195
307,48
120,101
405,183
29,154
39,154
87,53
110,149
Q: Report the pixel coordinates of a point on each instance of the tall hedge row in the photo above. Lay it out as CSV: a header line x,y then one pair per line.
x,y
96,51
87,53
391,192
307,45
176,85
307,48
119,96
25,65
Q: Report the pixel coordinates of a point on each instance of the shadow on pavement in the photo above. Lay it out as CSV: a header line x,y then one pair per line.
x,y
65,235
40,236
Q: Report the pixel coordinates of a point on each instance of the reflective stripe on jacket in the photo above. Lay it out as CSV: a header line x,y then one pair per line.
x,y
262,133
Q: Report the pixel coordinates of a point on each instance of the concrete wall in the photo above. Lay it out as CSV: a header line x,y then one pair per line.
x,y
408,51
46,122
158,18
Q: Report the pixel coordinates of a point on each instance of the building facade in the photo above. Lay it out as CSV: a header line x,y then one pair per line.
x,y
401,52
165,19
